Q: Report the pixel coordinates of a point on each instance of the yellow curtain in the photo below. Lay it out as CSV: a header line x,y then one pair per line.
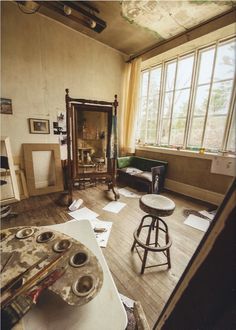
x,y
129,107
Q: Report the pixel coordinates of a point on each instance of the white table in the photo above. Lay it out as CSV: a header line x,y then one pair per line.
x,y
104,312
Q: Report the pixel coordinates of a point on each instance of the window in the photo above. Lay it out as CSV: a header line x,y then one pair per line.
x,y
189,101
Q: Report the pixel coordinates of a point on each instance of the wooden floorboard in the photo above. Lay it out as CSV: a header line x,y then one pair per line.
x,y
154,287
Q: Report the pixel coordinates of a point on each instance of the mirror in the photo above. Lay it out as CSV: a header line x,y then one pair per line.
x,y
92,143
92,130
91,135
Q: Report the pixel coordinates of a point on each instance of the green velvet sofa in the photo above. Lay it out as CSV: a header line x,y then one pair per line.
x,y
138,170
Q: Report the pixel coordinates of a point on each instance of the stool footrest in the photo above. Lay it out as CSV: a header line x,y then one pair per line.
x,y
154,226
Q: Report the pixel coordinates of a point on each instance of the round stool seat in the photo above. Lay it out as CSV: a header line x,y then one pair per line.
x,y
156,205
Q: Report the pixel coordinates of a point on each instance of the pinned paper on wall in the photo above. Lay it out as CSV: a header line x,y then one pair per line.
x,y
223,165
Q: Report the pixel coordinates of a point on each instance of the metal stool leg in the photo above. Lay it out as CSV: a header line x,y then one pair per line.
x,y
152,224
139,229
157,232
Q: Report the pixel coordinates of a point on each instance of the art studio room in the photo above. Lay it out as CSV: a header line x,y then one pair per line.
x,y
118,165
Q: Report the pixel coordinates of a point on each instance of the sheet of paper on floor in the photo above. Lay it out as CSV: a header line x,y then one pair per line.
x,y
127,193
197,222
207,214
102,238
83,214
114,207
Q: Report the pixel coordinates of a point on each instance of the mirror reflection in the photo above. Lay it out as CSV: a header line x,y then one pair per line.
x,y
92,141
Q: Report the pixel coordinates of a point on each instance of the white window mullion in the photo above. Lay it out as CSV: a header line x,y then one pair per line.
x,y
229,117
191,99
160,103
172,102
149,74
209,95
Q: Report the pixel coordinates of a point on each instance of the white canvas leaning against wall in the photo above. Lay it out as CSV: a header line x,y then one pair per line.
x,y
9,191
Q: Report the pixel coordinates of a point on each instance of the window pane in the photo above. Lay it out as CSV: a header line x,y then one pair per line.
x,y
181,103
196,132
144,83
177,132
232,138
152,120
167,104
214,132
155,79
141,123
225,61
206,64
220,97
201,100
165,131
170,76
141,136
185,69
152,110
151,132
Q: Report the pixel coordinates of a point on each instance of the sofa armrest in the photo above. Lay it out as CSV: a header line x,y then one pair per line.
x,y
158,178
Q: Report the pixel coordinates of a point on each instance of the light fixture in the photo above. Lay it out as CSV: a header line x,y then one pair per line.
x,y
80,12
85,14
67,10
28,7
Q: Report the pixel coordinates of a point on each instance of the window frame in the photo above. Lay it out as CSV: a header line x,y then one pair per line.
x,y
191,100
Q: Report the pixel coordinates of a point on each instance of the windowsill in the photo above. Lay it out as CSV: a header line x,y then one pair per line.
x,y
185,153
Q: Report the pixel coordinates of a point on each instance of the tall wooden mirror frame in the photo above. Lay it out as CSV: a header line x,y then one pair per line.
x,y
73,105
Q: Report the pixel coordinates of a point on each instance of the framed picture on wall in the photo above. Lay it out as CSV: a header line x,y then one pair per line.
x,y
39,126
5,106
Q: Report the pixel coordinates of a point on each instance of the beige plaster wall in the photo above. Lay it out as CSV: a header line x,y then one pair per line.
x,y
39,59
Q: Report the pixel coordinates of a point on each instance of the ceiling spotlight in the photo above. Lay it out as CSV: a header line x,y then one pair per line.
x,y
28,7
67,10
93,24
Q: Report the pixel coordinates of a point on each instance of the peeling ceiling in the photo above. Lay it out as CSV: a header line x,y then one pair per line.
x,y
169,18
134,26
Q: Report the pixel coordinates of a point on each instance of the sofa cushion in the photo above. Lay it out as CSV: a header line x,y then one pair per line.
x,y
144,176
130,170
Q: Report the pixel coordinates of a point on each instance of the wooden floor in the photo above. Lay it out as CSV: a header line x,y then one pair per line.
x,y
154,287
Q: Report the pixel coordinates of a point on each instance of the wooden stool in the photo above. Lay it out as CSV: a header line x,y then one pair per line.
x,y
155,206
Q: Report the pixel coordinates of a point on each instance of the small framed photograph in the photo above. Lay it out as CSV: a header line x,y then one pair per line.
x,y
39,126
5,106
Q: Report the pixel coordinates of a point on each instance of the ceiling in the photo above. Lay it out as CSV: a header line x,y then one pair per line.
x,y
135,26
